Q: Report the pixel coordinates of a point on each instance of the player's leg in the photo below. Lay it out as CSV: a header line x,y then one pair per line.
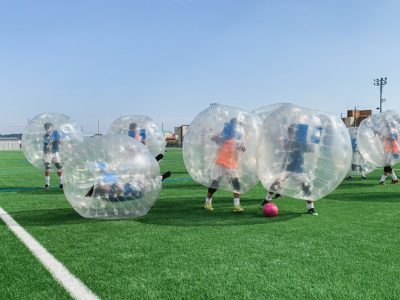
x,y
363,175
393,175
274,190
386,171
310,208
305,183
208,201
60,175
57,162
47,169
236,194
216,175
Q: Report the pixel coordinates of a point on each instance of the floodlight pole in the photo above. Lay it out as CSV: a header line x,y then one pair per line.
x,y
380,82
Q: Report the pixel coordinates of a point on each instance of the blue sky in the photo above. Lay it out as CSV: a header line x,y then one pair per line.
x,y
98,60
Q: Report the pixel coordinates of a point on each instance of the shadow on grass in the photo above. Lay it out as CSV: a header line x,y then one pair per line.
x,y
41,191
169,211
12,189
366,197
50,217
185,213
178,173
182,185
31,190
355,185
166,212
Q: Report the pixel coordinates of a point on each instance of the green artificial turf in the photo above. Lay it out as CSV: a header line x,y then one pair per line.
x,y
180,251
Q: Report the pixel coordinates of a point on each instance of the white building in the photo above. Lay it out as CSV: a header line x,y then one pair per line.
x,y
9,143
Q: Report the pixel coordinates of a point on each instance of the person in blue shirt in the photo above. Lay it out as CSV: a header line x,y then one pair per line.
x,y
111,187
137,134
51,147
358,163
294,147
140,135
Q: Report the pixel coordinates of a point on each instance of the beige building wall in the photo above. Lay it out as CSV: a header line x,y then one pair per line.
x,y
6,145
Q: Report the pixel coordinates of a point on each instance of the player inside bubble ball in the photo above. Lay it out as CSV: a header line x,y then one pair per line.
x,y
137,134
140,136
294,147
391,141
226,162
358,163
112,187
51,147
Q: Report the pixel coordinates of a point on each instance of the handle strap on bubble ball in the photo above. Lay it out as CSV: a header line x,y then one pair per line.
x,y
165,175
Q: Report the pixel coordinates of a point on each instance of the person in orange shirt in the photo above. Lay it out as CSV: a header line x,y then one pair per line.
x,y
226,163
391,151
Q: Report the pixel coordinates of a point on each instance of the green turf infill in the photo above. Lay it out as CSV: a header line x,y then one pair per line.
x,y
8,190
180,251
76,288
21,275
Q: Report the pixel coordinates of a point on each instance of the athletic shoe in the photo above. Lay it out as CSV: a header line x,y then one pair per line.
x,y
265,201
238,208
312,211
208,207
61,186
363,178
349,178
46,187
395,181
382,183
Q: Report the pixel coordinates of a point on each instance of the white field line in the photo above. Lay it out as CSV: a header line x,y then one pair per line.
x,y
76,288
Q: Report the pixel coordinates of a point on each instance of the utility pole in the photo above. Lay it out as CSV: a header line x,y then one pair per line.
x,y
355,117
380,82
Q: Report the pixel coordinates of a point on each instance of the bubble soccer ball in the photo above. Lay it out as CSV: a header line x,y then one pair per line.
x,y
142,129
49,137
264,111
359,166
303,153
378,139
111,176
270,210
220,147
